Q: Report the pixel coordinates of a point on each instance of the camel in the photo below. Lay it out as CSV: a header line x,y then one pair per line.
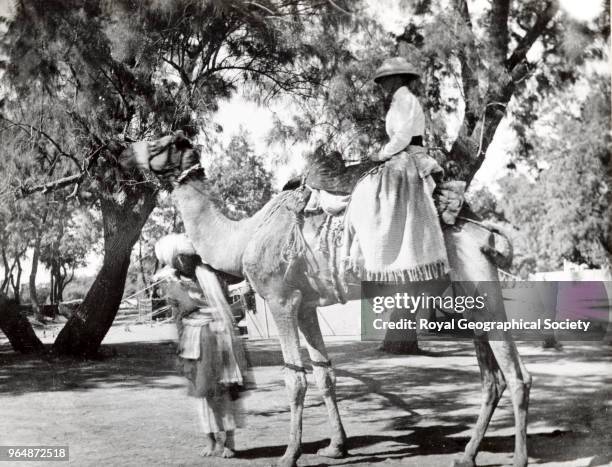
x,y
294,285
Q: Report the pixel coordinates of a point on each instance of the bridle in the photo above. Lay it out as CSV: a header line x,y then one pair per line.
x,y
171,167
193,170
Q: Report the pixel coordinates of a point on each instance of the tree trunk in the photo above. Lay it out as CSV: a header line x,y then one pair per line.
x,y
405,341
35,261
16,281
17,328
65,281
51,286
33,273
85,330
401,341
7,270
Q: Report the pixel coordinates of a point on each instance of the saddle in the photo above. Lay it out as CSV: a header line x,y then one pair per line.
x,y
327,172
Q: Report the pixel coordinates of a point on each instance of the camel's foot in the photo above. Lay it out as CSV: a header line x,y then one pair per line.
x,y
286,461
551,342
463,462
207,451
333,451
519,461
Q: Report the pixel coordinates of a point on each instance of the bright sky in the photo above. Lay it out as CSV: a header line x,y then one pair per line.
x,y
582,10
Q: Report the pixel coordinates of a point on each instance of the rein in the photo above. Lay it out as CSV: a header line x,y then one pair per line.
x,y
190,171
184,175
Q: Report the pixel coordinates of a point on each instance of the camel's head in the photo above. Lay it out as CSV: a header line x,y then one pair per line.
x,y
170,158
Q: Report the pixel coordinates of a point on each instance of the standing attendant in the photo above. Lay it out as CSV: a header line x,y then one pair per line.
x,y
211,358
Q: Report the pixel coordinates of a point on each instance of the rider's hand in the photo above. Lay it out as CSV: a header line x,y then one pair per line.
x,y
379,156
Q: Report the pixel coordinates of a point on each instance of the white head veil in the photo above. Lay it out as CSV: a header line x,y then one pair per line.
x,y
167,249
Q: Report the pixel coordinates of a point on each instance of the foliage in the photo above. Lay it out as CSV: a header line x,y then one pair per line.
x,y
162,221
562,209
67,239
76,289
348,114
239,178
475,71
82,78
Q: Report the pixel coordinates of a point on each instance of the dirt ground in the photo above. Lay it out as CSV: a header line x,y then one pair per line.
x,y
131,408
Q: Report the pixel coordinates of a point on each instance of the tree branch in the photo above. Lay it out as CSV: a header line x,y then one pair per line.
x,y
50,186
470,64
184,78
498,30
25,127
25,190
461,7
520,52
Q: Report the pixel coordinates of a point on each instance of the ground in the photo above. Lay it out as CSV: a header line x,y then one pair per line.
x,y
131,408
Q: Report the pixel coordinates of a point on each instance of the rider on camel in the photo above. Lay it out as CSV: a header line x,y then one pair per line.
x,y
392,229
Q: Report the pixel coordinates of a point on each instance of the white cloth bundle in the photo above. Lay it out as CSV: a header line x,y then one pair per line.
x,y
170,246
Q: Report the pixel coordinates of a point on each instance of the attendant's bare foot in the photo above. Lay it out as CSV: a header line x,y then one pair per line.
x,y
227,453
209,446
208,451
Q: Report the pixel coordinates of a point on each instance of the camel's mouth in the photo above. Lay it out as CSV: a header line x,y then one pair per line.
x,y
169,158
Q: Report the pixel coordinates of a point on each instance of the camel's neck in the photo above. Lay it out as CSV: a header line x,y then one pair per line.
x,y
218,240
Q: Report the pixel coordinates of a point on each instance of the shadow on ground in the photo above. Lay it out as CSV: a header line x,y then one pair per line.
x,y
396,394
559,446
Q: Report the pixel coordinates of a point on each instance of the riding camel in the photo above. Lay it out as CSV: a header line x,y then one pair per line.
x,y
277,250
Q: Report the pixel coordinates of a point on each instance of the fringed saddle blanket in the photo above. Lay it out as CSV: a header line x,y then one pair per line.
x,y
329,241
392,231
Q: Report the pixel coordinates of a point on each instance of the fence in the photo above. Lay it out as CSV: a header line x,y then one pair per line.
x,y
139,309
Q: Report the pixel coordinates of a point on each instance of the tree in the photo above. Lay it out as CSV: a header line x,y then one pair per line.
x,y
239,178
477,69
68,238
563,210
136,72
17,328
163,220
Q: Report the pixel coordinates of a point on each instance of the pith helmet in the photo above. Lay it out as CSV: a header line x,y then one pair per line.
x,y
395,66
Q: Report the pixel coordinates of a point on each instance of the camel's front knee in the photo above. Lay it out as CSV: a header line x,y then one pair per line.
x,y
296,384
325,379
522,384
520,392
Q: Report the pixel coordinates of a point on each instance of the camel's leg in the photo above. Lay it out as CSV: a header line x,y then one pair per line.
x,y
284,311
493,385
511,365
324,378
519,383
469,264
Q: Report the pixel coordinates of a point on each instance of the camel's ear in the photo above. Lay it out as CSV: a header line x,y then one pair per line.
x,y
181,141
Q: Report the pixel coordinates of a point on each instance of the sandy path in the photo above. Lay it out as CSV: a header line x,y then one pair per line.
x,y
131,409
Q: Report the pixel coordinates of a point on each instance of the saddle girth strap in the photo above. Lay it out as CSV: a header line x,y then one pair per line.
x,y
296,368
326,364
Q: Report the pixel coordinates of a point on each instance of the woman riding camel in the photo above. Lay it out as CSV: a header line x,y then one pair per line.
x,y
392,228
